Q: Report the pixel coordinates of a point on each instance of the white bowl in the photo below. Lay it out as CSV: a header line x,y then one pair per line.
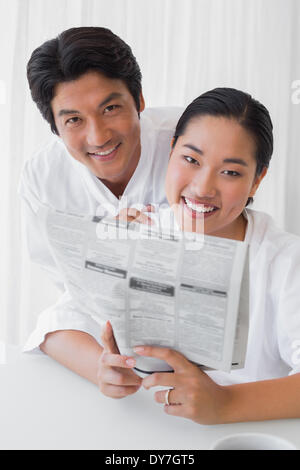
x,y
252,441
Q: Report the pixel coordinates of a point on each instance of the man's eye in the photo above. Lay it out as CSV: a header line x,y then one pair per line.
x,y
231,173
191,160
111,108
73,120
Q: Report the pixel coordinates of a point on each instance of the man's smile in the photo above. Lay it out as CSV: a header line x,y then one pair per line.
x,y
106,155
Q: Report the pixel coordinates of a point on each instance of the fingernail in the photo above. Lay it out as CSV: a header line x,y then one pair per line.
x,y
139,349
145,384
130,362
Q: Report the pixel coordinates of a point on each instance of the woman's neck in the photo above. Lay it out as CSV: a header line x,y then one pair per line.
x,y
236,230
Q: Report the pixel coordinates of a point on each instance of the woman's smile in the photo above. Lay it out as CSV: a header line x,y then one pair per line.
x,y
195,208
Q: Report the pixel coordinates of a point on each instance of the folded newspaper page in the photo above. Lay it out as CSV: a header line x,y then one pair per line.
x,y
157,288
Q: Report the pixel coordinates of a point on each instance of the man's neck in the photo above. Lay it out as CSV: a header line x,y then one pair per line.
x,y
116,188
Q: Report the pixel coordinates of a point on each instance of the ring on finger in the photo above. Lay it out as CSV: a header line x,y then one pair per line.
x,y
167,396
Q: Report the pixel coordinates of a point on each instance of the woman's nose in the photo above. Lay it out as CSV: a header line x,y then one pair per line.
x,y
204,185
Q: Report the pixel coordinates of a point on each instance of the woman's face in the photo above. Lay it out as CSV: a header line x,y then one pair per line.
x,y
211,175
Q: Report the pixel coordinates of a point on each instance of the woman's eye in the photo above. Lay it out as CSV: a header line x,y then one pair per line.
x,y
231,173
191,160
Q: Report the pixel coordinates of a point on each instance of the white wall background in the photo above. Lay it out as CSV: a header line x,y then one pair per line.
x,y
184,47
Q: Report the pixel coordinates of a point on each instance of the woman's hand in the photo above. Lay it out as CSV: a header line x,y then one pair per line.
x,y
194,396
134,215
116,379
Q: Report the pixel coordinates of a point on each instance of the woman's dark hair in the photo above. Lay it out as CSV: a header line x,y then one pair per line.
x,y
238,105
75,52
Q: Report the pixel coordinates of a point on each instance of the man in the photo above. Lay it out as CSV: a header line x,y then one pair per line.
x,y
107,156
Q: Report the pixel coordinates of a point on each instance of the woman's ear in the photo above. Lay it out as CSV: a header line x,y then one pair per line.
x,y
172,147
258,179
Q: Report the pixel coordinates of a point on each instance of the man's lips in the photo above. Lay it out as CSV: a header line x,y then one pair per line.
x,y
105,155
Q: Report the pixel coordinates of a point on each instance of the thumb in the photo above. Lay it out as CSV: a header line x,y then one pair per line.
x,y
108,339
148,208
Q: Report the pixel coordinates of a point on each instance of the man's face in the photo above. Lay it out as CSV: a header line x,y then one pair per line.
x,y
97,119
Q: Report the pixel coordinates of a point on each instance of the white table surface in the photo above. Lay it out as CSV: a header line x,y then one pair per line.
x,y
45,406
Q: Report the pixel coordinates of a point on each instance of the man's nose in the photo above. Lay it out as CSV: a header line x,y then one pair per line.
x,y
97,134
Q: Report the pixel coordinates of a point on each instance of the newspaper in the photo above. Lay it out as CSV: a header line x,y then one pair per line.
x,y
156,288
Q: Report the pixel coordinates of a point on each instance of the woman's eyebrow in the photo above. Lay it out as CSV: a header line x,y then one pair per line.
x,y
192,147
238,161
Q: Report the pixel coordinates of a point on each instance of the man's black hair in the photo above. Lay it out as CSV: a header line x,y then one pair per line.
x,y
75,52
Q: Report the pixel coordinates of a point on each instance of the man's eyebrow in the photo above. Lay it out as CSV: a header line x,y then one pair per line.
x,y
114,95
64,112
238,161
110,97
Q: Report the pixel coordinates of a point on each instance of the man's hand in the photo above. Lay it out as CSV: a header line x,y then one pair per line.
x,y
116,379
134,215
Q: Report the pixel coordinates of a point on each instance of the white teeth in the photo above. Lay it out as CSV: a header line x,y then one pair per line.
x,y
101,154
199,207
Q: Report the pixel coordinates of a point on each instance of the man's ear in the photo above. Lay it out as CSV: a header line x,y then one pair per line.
x,y
258,179
54,129
142,103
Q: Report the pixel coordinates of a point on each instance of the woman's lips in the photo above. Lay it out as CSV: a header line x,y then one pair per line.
x,y
105,156
202,211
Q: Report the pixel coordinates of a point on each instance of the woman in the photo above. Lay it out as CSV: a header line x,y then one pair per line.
x,y
220,154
